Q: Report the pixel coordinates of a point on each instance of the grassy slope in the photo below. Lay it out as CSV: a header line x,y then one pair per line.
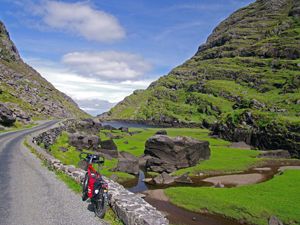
x,y
23,91
244,59
254,203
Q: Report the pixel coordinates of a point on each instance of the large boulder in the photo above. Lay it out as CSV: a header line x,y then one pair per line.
x,y
128,163
108,144
171,153
6,116
90,142
276,154
164,178
88,126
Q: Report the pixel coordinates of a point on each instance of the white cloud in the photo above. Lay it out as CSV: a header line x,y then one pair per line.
x,y
86,88
107,65
81,19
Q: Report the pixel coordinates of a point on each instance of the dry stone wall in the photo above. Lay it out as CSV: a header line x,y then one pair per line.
x,y
129,207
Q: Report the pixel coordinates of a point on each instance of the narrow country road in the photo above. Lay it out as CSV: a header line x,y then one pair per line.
x,y
30,194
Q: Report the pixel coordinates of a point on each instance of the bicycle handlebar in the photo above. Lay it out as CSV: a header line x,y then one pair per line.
x,y
91,158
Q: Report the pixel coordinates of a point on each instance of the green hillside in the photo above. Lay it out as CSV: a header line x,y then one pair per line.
x,y
250,65
24,92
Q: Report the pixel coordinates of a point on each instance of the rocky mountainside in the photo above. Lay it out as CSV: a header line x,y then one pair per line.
x,y
243,83
24,94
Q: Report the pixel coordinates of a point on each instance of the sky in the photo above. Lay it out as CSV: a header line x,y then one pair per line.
x,y
100,51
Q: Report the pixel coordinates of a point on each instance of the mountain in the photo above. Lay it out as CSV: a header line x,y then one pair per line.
x,y
243,83
24,93
95,106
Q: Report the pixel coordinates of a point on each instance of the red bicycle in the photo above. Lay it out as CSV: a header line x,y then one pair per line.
x,y
94,187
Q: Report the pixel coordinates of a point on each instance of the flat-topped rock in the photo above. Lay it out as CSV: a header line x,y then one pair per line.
x,y
283,168
171,153
237,180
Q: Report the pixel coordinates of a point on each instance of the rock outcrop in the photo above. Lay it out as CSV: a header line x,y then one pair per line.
x,y
128,163
260,130
163,178
88,142
6,116
168,153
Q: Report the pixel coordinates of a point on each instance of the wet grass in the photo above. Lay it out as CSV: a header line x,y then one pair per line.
x,y
253,203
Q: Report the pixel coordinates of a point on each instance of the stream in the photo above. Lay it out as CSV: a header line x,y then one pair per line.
x,y
178,216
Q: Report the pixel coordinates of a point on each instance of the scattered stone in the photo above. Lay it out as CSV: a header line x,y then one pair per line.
x,y
108,144
276,154
109,127
114,177
219,185
109,154
161,132
63,149
124,129
171,153
256,104
86,126
128,163
134,132
298,102
240,145
148,180
79,141
184,178
274,221
53,161
140,195
71,169
164,178
6,116
57,166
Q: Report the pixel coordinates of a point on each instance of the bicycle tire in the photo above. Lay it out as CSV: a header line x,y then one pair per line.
x,y
85,187
100,206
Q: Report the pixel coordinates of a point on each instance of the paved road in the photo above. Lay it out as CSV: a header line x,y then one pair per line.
x,y
32,195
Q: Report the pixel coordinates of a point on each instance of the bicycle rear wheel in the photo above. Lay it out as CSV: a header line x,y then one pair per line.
x,y
85,187
100,206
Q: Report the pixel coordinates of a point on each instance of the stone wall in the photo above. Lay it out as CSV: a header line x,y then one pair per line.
x,y
130,208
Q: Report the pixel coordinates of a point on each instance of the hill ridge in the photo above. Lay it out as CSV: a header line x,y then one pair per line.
x,y
250,64
24,93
